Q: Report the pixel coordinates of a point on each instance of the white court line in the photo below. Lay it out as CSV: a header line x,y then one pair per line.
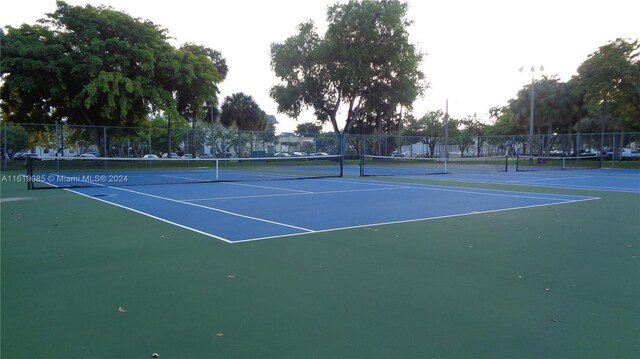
x,y
308,231
489,192
549,179
415,220
201,206
151,216
267,187
291,194
214,209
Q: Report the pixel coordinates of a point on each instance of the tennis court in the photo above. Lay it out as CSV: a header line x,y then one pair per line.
x,y
236,212
463,265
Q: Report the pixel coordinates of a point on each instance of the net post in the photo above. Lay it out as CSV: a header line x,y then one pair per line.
x,y
342,151
5,156
506,163
217,176
29,165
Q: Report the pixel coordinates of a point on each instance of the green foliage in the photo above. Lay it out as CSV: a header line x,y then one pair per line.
x,y
364,63
98,66
308,128
197,76
16,137
158,131
222,139
243,112
503,123
327,142
609,84
604,96
554,106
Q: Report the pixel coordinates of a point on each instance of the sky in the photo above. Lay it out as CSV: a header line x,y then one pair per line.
x,y
474,49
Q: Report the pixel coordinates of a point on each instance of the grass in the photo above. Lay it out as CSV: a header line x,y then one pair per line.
x,y
82,279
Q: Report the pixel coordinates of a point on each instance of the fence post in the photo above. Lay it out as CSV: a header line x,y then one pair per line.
x,y
614,150
4,146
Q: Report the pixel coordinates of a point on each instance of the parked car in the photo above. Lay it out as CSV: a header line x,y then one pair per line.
x,y
91,152
629,154
21,156
150,157
281,154
173,155
403,154
89,155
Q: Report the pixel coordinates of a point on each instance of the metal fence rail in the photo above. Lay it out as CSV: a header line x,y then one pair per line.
x,y
215,141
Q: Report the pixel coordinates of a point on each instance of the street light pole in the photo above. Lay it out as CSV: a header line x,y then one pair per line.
x,y
446,130
531,112
63,122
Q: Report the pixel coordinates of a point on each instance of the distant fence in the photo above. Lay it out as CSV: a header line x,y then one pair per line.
x,y
50,140
564,145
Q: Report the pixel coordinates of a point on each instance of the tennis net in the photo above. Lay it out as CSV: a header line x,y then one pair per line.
x,y
541,163
74,172
418,166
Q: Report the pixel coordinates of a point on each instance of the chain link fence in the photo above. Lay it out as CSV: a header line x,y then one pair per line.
x,y
215,141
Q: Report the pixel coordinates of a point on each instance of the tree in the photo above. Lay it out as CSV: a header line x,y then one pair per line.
x,y
364,63
17,139
428,128
503,125
462,133
476,129
609,84
97,66
158,131
308,128
554,107
243,112
221,139
196,84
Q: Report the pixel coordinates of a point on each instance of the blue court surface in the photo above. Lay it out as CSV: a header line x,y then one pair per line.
x,y
247,211
613,180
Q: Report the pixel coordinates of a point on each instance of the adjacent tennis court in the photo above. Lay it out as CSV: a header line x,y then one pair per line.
x,y
471,264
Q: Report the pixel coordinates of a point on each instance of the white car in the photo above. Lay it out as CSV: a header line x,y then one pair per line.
x,y
629,154
150,157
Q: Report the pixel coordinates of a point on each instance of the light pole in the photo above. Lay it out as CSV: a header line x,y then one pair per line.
x,y
399,133
63,121
446,130
531,112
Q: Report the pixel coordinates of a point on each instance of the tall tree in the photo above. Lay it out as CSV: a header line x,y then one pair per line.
x,y
196,85
308,128
609,84
428,128
554,107
94,66
241,111
364,64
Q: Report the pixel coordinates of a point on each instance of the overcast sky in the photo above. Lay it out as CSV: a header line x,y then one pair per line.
x,y
473,49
